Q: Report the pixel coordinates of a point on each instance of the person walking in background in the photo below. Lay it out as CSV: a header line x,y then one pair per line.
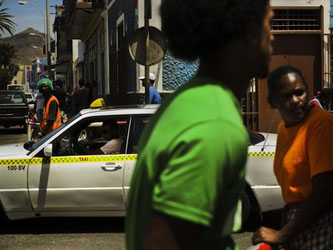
x,y
315,101
51,117
81,97
154,96
40,100
60,94
303,165
190,171
323,99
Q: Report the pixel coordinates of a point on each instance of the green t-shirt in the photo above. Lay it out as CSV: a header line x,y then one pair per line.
x,y
191,164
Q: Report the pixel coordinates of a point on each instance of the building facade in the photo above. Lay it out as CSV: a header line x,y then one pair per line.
x,y
103,29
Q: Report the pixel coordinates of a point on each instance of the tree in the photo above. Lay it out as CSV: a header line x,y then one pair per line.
x,y
6,24
8,69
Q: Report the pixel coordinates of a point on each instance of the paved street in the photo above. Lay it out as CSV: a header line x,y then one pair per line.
x,y
73,233
12,135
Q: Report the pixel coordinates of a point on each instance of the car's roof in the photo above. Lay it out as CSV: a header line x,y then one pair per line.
x,y
128,109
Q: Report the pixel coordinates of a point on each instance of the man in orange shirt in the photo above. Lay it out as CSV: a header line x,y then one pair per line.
x,y
303,165
51,117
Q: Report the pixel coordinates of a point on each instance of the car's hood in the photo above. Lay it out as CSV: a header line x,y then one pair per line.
x,y
13,149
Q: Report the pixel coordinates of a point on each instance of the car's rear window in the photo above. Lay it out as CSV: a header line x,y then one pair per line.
x,y
14,87
11,98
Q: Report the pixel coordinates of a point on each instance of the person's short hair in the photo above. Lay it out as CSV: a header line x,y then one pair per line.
x,y
112,124
81,83
195,28
274,79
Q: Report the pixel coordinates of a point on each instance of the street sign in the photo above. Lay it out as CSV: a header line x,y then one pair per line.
x,y
42,76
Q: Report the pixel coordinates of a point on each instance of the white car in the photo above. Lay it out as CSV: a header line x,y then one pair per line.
x,y
30,100
51,177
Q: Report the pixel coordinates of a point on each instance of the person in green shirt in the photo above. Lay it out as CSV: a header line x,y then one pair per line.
x,y
192,154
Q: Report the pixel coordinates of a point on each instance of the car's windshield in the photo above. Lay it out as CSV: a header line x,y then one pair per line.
x,y
45,138
28,96
11,98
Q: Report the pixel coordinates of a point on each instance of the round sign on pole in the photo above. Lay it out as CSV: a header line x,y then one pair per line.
x,y
42,76
147,49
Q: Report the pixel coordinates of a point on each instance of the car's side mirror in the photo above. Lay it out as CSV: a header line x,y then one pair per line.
x,y
28,144
48,150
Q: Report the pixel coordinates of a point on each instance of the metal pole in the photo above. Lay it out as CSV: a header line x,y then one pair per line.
x,y
147,8
48,41
44,20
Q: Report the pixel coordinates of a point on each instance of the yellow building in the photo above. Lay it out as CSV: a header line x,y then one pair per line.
x,y
21,77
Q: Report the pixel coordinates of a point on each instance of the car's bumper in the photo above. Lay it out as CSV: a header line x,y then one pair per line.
x,y
12,120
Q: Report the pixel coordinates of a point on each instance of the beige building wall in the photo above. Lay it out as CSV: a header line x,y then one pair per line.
x,y
20,78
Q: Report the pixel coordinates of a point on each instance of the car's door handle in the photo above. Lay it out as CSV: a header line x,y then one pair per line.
x,y
111,166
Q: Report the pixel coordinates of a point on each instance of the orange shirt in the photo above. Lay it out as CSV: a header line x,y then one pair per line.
x,y
57,122
303,151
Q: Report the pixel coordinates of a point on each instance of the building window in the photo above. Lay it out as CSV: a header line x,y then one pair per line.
x,y
250,106
296,19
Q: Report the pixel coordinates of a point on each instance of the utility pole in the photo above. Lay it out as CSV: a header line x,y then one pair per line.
x,y
147,7
48,40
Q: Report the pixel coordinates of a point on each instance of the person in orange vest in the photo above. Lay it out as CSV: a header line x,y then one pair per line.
x,y
51,117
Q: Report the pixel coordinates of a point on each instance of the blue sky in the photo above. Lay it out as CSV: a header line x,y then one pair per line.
x,y
28,16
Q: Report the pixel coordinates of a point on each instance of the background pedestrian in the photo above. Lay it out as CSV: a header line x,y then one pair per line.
x,y
303,165
154,96
81,97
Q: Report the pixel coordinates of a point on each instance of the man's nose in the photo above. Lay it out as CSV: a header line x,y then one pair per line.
x,y
295,99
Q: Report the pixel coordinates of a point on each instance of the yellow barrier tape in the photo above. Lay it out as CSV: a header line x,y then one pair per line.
x,y
71,159
98,158
261,154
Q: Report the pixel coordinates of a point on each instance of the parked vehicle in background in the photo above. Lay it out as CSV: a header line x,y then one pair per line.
x,y
13,108
15,87
31,99
55,177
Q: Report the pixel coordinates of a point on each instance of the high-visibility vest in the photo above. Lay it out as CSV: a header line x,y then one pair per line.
x,y
57,122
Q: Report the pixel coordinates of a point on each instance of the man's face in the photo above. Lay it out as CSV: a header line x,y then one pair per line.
x,y
107,132
45,89
262,51
291,99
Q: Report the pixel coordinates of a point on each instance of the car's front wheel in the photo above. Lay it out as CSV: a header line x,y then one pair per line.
x,y
3,218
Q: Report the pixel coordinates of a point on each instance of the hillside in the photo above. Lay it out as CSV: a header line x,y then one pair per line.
x,y
29,47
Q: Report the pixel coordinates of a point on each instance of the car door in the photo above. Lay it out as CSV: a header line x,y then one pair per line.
x,y
137,125
67,182
260,175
